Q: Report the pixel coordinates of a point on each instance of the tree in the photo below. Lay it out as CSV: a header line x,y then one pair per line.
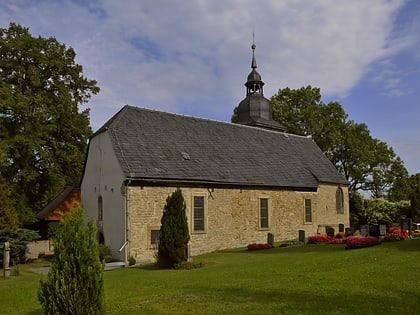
x,y
43,134
414,211
74,284
8,217
368,163
174,235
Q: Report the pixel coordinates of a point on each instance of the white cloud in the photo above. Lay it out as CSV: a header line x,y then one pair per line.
x,y
198,54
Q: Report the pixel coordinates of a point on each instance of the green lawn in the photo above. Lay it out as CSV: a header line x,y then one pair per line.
x,y
309,279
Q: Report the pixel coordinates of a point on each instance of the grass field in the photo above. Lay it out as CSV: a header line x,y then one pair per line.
x,y
309,279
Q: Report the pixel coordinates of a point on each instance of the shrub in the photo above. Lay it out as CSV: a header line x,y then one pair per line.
x,y
103,251
395,234
174,235
338,241
319,238
74,284
131,261
256,246
359,242
18,238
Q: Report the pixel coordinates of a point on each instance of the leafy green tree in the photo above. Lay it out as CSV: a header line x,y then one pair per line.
x,y
43,133
174,234
368,163
414,211
74,284
8,217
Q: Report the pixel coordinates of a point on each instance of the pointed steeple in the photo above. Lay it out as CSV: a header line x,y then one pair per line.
x,y
254,84
255,109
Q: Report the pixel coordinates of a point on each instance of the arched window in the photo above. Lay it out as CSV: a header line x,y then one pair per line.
x,y
339,202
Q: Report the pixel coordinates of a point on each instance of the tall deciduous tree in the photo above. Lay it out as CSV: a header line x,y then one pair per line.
x,y
43,133
368,163
174,234
8,217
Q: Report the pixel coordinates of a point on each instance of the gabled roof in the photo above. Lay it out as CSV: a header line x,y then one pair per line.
x,y
157,146
61,204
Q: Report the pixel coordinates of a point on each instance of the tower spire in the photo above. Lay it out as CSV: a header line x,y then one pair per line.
x,y
254,61
255,110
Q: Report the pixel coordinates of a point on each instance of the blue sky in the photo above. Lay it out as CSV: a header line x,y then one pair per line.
x,y
193,57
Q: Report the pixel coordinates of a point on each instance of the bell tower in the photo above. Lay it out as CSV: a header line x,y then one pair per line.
x,y
255,110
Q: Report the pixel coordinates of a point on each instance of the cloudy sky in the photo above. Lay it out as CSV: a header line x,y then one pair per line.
x,y
193,57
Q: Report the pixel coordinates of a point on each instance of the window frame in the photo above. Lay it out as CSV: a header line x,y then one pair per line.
x,y
307,205
263,217
100,208
154,241
194,221
339,200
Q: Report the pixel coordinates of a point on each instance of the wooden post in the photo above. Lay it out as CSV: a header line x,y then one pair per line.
x,y
6,260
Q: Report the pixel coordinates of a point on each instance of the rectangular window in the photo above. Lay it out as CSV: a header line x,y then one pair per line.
x,y
154,237
308,211
263,213
199,214
339,204
100,209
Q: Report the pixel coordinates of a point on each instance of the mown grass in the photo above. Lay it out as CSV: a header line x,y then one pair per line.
x,y
309,279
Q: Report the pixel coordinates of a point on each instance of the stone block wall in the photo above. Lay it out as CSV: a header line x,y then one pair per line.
x,y
232,216
33,249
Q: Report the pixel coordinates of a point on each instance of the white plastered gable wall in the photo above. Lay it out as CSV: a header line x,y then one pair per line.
x,y
103,177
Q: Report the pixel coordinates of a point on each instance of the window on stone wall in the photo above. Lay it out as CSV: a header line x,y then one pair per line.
x,y
339,202
263,213
154,237
308,211
100,209
198,214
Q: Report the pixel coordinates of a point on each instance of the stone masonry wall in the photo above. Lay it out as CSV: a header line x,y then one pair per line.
x,y
232,216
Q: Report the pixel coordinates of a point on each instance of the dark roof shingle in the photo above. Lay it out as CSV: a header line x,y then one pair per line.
x,y
153,145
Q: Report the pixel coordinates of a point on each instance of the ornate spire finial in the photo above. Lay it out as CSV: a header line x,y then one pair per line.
x,y
254,61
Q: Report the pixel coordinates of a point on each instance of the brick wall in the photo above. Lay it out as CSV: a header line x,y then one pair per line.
x,y
232,216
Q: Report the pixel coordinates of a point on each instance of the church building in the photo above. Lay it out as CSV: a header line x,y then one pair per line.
x,y
240,180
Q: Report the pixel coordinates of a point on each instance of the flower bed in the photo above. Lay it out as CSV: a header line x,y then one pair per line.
x,y
256,246
319,238
338,241
360,242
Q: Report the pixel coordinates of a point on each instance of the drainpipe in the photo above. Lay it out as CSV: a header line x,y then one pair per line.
x,y
126,225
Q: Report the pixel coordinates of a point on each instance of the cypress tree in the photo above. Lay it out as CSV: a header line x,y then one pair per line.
x,y
74,284
174,234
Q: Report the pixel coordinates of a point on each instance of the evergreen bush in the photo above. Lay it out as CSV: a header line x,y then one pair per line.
x,y
174,234
18,238
74,284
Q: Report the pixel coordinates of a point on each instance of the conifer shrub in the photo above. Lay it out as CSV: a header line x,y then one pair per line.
x,y
174,234
74,284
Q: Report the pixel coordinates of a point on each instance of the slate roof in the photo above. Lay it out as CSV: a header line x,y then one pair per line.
x,y
157,146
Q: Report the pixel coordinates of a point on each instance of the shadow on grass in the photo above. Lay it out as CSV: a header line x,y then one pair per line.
x,y
407,245
35,312
298,249
305,302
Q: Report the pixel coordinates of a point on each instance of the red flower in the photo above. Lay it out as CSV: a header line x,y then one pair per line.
x,y
255,246
319,238
359,242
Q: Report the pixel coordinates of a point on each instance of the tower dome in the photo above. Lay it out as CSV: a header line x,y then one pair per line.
x,y
255,109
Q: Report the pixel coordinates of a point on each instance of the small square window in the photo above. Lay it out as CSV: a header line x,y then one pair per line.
x,y
154,237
